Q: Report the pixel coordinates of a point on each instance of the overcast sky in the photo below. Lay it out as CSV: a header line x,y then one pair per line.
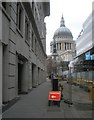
x,y
75,12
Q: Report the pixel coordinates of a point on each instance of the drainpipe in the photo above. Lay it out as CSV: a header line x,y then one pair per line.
x,y
1,79
55,77
1,51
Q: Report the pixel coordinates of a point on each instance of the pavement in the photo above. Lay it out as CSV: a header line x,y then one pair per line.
x,y
35,104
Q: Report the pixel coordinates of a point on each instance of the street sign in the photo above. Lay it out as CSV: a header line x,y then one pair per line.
x,y
54,95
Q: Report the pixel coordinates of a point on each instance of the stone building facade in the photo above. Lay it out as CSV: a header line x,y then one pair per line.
x,y
23,46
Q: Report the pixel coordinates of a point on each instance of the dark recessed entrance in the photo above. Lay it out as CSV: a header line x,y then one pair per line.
x,y
33,75
20,69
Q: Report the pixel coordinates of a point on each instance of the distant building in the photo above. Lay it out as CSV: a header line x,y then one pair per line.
x,y
23,46
65,45
85,44
84,61
49,65
83,71
85,41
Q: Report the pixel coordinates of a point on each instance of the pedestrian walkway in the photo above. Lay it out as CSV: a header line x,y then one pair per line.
x,y
35,105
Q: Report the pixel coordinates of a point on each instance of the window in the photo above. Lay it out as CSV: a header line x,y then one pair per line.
x,y
19,16
6,7
33,7
35,46
60,46
65,46
57,46
32,39
4,4
51,48
26,29
70,45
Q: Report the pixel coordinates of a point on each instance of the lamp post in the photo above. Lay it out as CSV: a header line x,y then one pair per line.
x,y
70,84
69,100
55,77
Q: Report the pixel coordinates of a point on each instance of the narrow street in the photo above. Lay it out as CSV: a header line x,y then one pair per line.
x,y
46,59
35,104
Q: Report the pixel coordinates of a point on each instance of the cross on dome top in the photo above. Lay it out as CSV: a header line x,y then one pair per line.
x,y
62,22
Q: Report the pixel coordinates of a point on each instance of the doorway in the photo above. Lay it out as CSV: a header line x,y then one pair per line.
x,y
33,75
20,69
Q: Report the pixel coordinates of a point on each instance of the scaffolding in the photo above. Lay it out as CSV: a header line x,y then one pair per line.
x,y
83,76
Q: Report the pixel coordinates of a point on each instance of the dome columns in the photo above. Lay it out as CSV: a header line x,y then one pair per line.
x,y
59,46
62,46
68,46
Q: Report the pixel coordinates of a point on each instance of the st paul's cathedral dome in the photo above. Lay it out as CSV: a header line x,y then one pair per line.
x,y
63,31
65,45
